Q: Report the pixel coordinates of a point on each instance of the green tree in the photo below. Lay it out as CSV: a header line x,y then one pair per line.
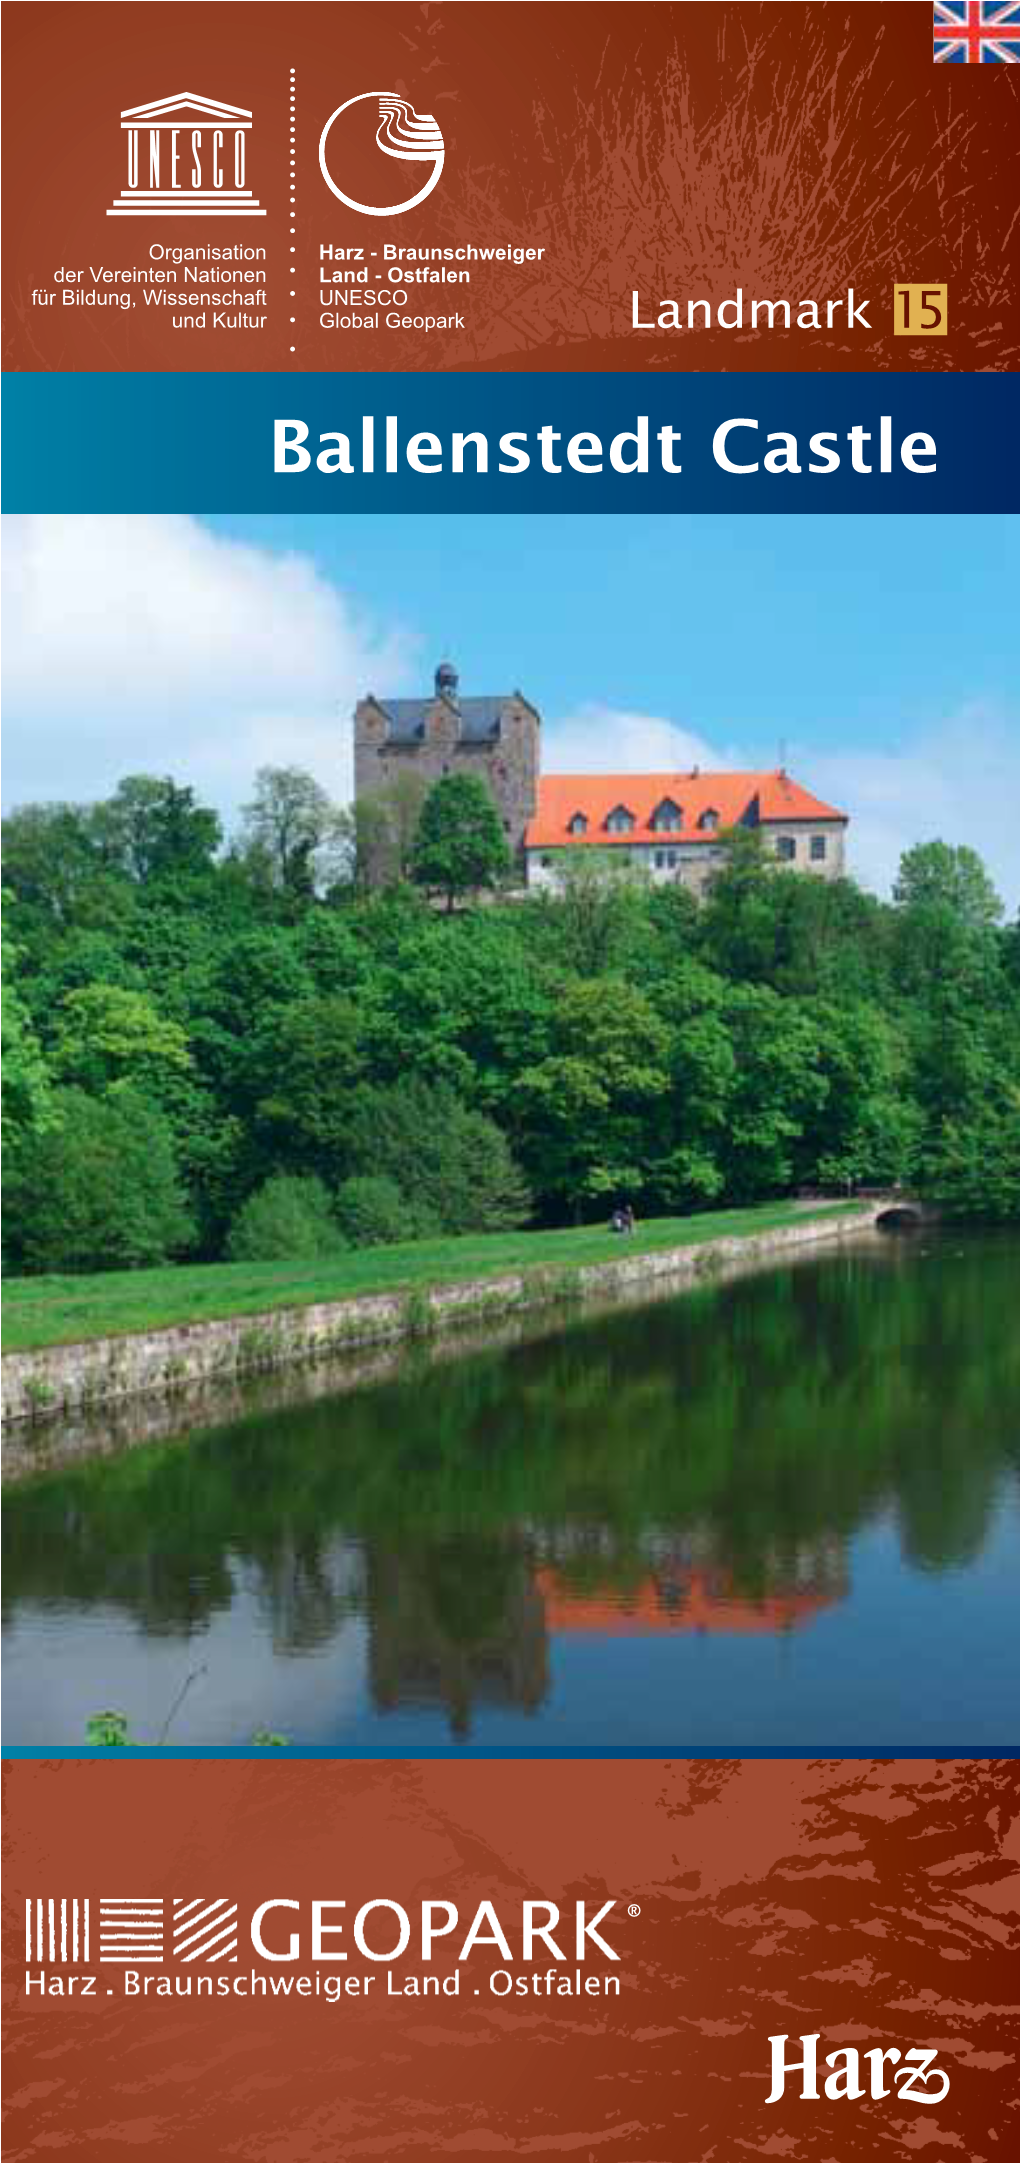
x,y
260,971
55,870
689,1170
454,1166
864,1129
330,946
971,1166
598,909
27,1091
936,875
98,1188
289,833
778,1089
459,846
286,1219
946,911
966,1085
829,937
739,923
309,1054
591,1108
105,1034
378,832
501,1005
372,1212
150,829
962,1021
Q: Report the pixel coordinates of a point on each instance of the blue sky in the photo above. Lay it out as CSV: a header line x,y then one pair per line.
x,y
882,652
815,628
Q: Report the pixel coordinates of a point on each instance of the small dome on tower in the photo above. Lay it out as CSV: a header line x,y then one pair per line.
x,y
447,680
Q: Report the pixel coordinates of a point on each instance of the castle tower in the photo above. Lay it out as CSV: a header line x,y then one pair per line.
x,y
497,737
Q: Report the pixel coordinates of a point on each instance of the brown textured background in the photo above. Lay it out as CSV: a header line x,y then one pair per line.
x,y
875,1902
679,149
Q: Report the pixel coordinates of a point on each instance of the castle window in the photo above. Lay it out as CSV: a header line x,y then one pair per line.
x,y
578,824
667,818
709,822
786,848
818,849
620,820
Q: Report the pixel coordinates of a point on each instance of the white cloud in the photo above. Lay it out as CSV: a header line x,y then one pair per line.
x,y
603,740
149,644
955,780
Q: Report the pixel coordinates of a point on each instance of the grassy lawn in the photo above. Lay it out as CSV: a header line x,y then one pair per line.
x,y
40,1311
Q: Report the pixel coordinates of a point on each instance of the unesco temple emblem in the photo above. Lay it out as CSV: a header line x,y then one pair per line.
x,y
186,156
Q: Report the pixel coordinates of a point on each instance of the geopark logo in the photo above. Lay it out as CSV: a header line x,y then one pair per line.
x,y
352,148
139,1935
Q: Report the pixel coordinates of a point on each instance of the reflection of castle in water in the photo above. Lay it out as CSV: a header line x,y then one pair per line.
x,y
455,1630
692,1600
686,1585
462,1627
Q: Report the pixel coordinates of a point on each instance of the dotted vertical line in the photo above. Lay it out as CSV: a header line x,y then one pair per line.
x,y
292,182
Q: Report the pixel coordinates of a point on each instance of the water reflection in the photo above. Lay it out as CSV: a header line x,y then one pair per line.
x,y
681,1594
543,1537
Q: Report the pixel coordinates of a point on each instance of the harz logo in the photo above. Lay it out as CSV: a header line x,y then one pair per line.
x,y
186,156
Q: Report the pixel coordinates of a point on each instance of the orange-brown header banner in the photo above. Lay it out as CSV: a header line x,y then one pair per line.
x,y
467,187
638,1960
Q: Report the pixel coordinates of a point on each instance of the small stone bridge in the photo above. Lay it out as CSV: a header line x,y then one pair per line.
x,y
889,1209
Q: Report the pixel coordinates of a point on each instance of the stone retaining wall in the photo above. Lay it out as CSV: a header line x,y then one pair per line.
x,y
69,1380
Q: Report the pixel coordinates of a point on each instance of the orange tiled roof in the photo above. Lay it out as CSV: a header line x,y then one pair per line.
x,y
732,796
706,1605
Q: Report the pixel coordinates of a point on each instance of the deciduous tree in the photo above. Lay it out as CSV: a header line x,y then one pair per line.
x,y
98,1188
459,846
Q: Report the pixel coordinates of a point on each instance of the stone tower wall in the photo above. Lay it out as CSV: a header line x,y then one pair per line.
x,y
508,763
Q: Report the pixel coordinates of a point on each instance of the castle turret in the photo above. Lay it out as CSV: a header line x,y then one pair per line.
x,y
496,737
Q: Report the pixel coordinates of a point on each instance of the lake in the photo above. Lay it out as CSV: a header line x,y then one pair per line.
x,y
781,1511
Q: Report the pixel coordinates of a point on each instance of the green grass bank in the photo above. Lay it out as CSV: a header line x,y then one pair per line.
x,y
44,1311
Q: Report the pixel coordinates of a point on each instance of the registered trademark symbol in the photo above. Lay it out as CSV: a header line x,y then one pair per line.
x,y
633,1909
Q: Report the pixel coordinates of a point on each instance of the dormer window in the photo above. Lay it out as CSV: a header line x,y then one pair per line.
x,y
667,818
578,825
620,820
709,822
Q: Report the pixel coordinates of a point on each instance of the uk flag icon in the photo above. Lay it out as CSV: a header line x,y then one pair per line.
x,y
980,30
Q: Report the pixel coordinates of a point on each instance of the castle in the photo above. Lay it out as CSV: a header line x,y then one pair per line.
x,y
668,823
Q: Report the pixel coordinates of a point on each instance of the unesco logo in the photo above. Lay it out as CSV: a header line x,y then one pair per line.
x,y
186,157
367,143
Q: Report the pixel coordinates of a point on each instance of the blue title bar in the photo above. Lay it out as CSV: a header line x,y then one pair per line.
x,y
606,443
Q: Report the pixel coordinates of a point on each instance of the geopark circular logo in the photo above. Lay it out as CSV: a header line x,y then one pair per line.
x,y
360,140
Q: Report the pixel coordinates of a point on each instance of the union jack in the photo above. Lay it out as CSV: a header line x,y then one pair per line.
x,y
979,30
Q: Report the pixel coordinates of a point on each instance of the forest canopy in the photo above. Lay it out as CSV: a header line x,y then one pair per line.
x,y
212,1041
